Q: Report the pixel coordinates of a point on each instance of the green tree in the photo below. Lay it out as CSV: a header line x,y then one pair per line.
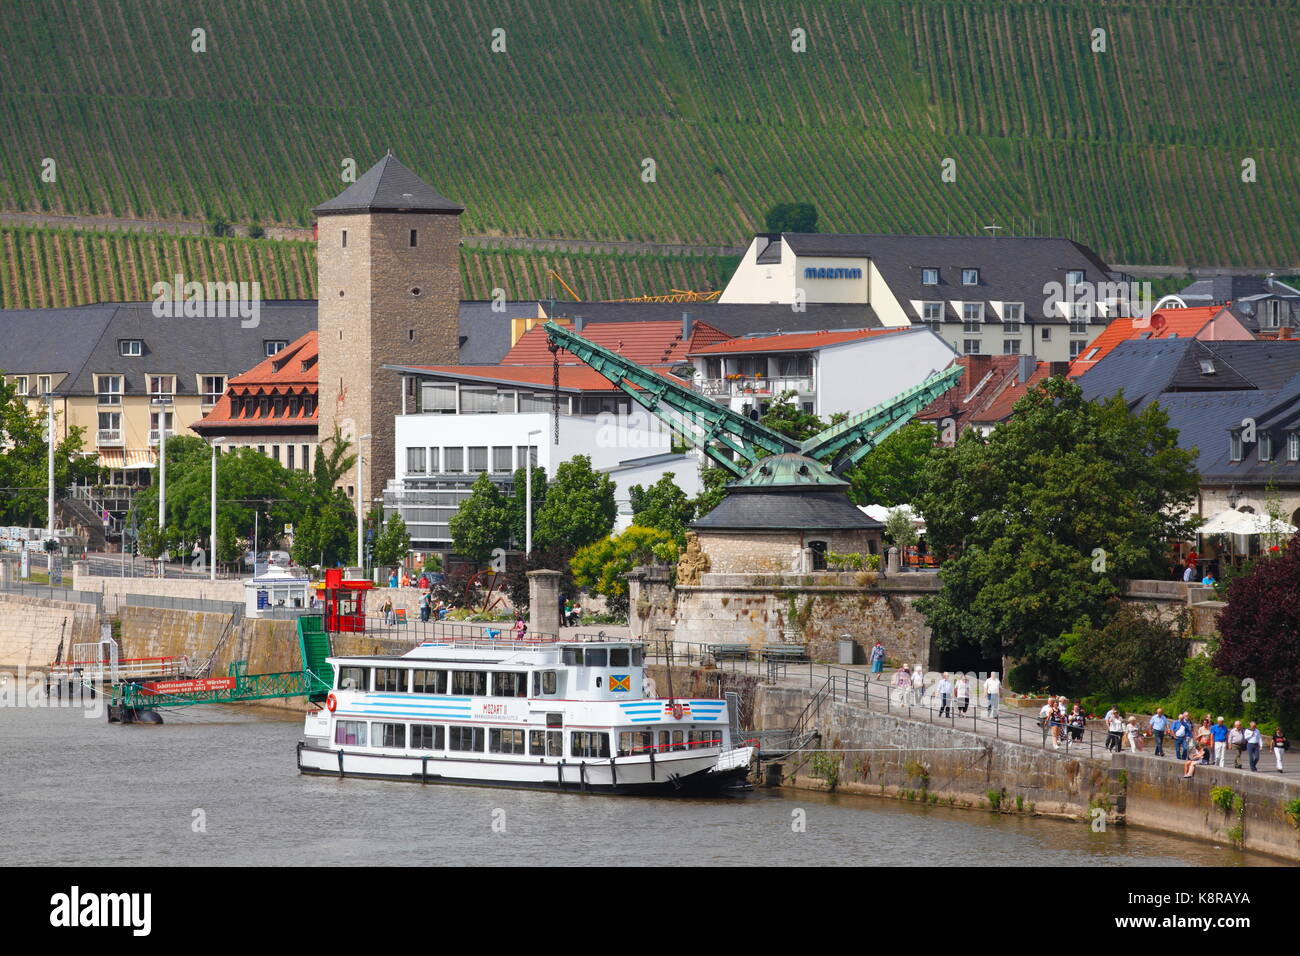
x,y
482,523
714,481
325,529
901,529
792,217
600,566
393,542
664,506
1039,521
579,506
893,473
1134,653
518,503
23,465
786,417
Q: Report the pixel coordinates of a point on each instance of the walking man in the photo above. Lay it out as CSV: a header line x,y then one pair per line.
x,y
918,684
992,690
945,689
1236,743
963,693
877,659
1254,740
1220,734
1182,732
1159,723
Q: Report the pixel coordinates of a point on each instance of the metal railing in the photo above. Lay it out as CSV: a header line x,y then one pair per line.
x,y
54,594
851,686
752,385
233,608
412,629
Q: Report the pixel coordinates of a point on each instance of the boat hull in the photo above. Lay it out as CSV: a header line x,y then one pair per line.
x,y
686,775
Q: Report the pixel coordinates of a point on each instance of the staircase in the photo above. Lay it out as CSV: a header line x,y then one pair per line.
x,y
314,643
88,523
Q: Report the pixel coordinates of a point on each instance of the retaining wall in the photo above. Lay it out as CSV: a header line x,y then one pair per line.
x,y
30,629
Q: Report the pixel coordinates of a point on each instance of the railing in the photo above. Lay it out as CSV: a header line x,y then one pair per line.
x,y
129,667
54,594
486,633
108,436
850,686
752,385
233,608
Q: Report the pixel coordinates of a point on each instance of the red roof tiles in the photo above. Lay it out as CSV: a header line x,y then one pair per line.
x,y
651,343
790,342
291,371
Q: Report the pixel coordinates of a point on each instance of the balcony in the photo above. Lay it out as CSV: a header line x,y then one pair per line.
x,y
108,437
755,385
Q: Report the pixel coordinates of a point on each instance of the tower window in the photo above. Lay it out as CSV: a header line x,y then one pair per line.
x,y
416,292
410,335
415,238
345,240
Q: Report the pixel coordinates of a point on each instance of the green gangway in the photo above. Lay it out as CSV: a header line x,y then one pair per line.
x,y
314,643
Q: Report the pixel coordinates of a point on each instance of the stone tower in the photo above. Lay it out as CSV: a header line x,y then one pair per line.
x,y
388,278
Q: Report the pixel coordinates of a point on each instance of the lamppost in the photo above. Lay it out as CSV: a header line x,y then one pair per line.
x,y
162,404
49,435
212,557
358,498
528,493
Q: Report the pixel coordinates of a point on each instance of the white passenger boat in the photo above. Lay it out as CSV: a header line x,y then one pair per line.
x,y
549,715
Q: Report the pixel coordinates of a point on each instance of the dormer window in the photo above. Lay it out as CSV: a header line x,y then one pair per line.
x,y
929,276
970,277
1234,446
1073,277
130,347
275,346
1265,446
1293,446
1207,366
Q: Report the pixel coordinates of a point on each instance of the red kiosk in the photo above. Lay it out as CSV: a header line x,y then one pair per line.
x,y
345,602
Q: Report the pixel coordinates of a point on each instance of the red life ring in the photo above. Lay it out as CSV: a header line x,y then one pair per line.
x,y
678,710
331,702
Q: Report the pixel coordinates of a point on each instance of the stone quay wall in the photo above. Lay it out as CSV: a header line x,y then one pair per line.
x,y
31,627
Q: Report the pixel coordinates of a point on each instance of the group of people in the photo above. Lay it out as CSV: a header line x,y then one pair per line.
x,y
954,695
1206,743
570,613
1064,721
406,581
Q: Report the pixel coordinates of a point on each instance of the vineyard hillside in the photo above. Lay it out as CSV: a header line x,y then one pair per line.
x,y
1128,126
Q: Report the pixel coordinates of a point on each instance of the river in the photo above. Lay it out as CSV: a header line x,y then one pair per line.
x,y
218,786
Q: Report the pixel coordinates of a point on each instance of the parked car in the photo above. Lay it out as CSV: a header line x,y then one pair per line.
x,y
277,559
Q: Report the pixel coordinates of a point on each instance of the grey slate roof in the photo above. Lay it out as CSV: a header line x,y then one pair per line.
x,y
1216,290
792,509
83,342
1011,268
485,333
1167,371
388,186
732,318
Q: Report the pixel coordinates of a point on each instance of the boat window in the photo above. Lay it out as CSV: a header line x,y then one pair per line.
x,y
588,743
665,741
635,742
546,743
465,738
595,657
571,656
352,732
554,720
543,683
354,678
638,656
502,741
514,684
426,737
679,740
620,657
472,683
429,682
391,679
705,738
389,735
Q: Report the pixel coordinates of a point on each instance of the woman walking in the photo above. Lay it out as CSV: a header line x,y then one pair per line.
x,y
1205,738
1134,735
903,685
963,694
1279,747
918,684
1076,722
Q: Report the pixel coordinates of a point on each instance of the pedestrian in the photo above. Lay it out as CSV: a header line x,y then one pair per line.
x,y
424,581
426,606
877,659
1205,739
1188,574
1049,719
389,617
1220,734
1134,734
963,693
1114,730
568,613
406,579
1159,723
392,579
1254,740
992,693
1236,743
1182,731
1279,747
903,684
520,628
1076,722
945,689
918,684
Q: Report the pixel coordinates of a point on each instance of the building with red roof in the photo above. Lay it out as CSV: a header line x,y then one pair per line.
x,y
988,390
1209,323
272,407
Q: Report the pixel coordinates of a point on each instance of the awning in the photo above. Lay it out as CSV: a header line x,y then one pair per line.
x,y
127,459
881,513
1245,522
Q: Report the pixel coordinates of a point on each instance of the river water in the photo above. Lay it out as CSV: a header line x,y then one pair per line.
x,y
216,786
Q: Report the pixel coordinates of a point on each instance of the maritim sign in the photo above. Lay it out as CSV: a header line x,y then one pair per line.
x,y
832,272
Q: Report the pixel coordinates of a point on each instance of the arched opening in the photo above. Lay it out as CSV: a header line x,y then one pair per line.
x,y
818,549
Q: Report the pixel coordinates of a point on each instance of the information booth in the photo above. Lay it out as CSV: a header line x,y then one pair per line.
x,y
345,602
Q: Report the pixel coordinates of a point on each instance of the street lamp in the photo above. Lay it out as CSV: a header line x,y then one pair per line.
x,y
528,493
1233,497
361,531
49,434
212,557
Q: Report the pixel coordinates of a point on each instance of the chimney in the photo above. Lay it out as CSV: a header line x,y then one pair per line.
x,y
1025,365
980,362
687,323
1058,369
578,322
1284,332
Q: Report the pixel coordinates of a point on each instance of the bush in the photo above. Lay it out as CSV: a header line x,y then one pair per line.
x,y
1134,653
1204,689
1023,678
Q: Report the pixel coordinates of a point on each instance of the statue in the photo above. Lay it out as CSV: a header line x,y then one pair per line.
x,y
693,562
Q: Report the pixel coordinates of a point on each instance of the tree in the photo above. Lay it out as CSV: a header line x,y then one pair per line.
x,y
600,566
1259,630
579,506
784,416
325,529
1039,521
482,523
23,464
518,504
1134,653
900,528
714,481
893,473
392,542
792,217
664,506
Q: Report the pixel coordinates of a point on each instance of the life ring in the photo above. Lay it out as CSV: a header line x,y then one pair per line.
x,y
678,710
331,702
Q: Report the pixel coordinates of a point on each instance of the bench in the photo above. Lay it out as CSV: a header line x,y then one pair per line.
x,y
729,652
785,652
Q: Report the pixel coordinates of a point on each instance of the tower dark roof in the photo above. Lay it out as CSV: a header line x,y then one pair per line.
x,y
388,186
786,492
